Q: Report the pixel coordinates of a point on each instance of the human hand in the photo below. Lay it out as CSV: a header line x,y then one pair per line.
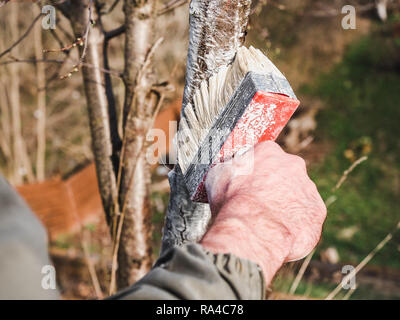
x,y
271,215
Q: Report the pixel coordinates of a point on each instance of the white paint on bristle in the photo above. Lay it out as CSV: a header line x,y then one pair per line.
x,y
212,97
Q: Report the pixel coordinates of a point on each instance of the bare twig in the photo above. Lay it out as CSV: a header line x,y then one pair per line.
x,y
89,262
22,37
114,73
300,274
115,33
120,223
16,60
363,263
328,202
110,9
77,42
349,170
60,42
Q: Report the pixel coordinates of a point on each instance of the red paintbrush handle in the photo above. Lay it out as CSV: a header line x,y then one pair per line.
x,y
263,120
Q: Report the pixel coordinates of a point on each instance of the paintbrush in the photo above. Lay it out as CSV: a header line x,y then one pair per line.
x,y
244,103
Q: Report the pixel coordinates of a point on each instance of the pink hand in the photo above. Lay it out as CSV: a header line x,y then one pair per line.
x,y
271,215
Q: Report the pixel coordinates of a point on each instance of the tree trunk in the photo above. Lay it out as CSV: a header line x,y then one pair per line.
x,y
217,29
135,252
93,80
125,190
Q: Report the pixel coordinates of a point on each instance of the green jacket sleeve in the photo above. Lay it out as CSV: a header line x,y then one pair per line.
x,y
190,272
187,272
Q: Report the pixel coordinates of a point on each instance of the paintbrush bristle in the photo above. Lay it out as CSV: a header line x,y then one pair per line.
x,y
210,99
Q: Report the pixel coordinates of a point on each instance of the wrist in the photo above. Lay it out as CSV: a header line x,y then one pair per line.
x,y
234,231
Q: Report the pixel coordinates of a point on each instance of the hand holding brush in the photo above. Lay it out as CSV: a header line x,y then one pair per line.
x,y
270,216
264,206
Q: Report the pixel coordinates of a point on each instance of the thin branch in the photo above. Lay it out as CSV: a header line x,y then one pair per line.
x,y
60,43
363,263
300,274
329,201
110,9
349,170
22,37
91,267
16,60
117,236
114,33
114,73
53,77
77,42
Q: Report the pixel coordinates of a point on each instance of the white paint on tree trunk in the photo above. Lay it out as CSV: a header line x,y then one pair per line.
x,y
216,30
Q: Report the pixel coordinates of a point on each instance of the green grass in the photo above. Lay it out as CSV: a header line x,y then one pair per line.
x,y
321,290
361,116
305,288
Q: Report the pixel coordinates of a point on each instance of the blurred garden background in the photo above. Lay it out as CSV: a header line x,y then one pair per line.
x,y
348,82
